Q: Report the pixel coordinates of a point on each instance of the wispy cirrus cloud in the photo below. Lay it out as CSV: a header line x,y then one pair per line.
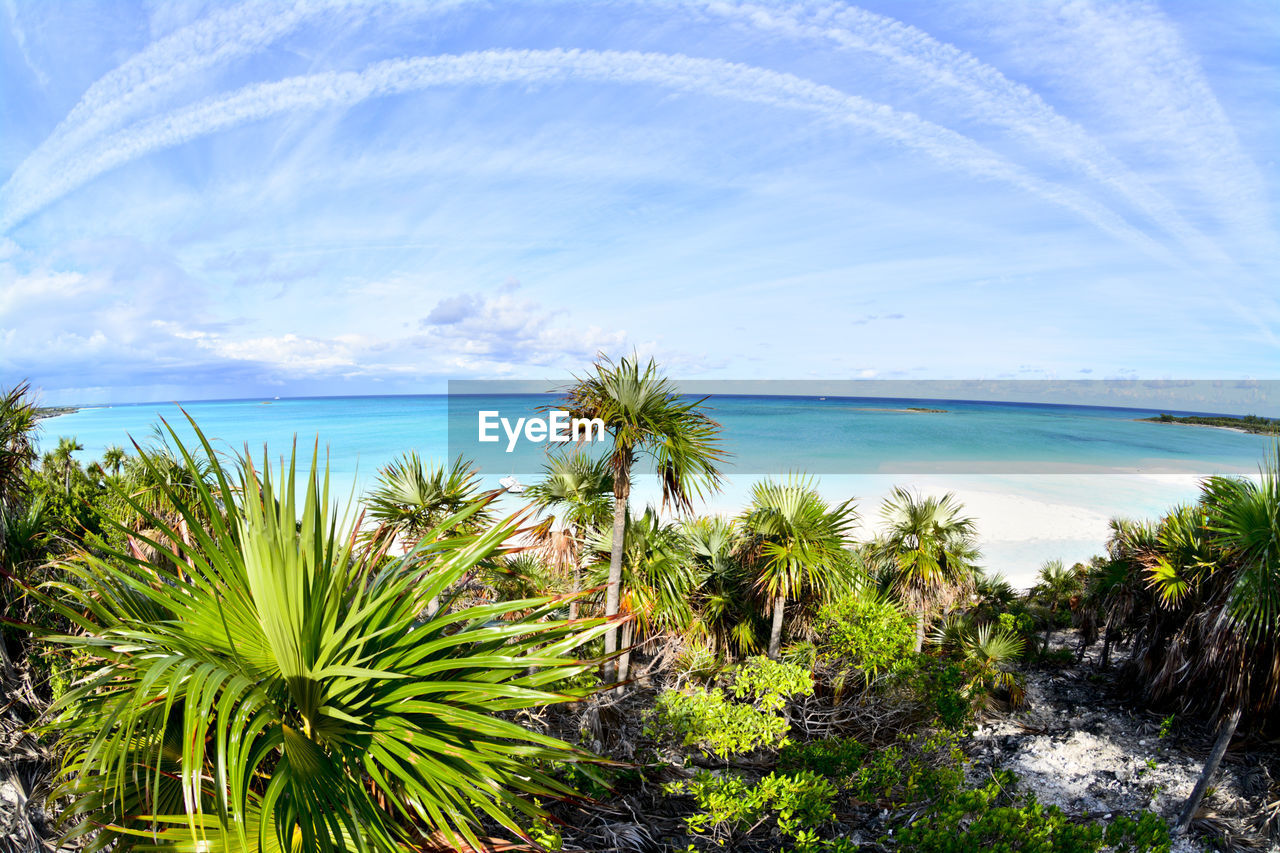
x,y
717,78
289,158
1132,68
982,93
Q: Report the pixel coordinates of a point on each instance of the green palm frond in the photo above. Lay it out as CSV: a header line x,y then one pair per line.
x,y
577,486
17,450
645,415
411,497
990,655
279,691
799,543
658,578
1244,518
927,545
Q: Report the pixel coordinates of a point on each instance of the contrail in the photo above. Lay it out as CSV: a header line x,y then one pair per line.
x,y
130,88
243,29
986,94
1167,95
712,77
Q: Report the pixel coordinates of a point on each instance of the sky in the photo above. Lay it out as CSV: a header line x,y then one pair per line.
x,y
219,200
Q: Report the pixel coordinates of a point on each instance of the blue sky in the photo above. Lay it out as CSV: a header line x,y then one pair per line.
x,y
333,197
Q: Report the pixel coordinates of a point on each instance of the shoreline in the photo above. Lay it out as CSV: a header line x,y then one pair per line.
x,y
55,412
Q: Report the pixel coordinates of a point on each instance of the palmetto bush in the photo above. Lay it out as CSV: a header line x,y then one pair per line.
x,y
269,686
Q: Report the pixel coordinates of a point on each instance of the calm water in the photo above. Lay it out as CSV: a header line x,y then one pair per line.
x,y
1041,480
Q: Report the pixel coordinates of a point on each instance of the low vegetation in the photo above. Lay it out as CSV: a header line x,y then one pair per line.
x,y
209,654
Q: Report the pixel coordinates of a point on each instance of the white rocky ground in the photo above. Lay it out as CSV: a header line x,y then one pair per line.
x,y
1087,755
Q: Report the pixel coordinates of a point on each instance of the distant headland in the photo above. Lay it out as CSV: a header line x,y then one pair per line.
x,y
54,411
1254,424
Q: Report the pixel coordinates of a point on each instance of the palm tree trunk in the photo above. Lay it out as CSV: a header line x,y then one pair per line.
x,y
1107,638
1225,734
577,587
775,633
613,592
624,667
920,631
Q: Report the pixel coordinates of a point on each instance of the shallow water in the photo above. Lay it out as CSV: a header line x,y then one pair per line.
x,y
1040,480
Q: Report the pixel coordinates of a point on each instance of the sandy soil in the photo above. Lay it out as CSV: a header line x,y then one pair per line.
x,y
1078,748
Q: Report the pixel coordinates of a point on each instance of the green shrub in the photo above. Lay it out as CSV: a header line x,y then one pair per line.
x,y
1017,621
834,757
865,631
769,683
728,806
713,722
914,769
995,819
706,719
1057,657
939,686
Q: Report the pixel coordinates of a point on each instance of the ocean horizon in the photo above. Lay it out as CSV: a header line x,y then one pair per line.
x,y
1041,480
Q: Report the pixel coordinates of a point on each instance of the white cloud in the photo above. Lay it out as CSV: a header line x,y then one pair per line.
x,y
712,77
497,334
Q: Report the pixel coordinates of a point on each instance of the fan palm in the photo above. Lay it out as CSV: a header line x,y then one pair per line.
x,y
519,577
1217,577
927,548
113,460
282,693
645,415
411,498
1116,587
1055,588
797,545
724,599
990,655
65,460
659,579
580,489
17,453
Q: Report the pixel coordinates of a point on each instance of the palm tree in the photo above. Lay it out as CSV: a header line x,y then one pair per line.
x,y
282,692
411,499
518,577
113,459
1116,588
645,415
17,452
1216,573
1056,588
659,578
579,488
927,548
724,600
797,545
65,460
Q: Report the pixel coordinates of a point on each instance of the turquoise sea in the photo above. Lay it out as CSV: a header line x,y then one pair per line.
x,y
1040,480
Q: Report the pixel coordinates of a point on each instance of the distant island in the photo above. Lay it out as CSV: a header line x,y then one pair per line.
x,y
54,411
1248,423
914,409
